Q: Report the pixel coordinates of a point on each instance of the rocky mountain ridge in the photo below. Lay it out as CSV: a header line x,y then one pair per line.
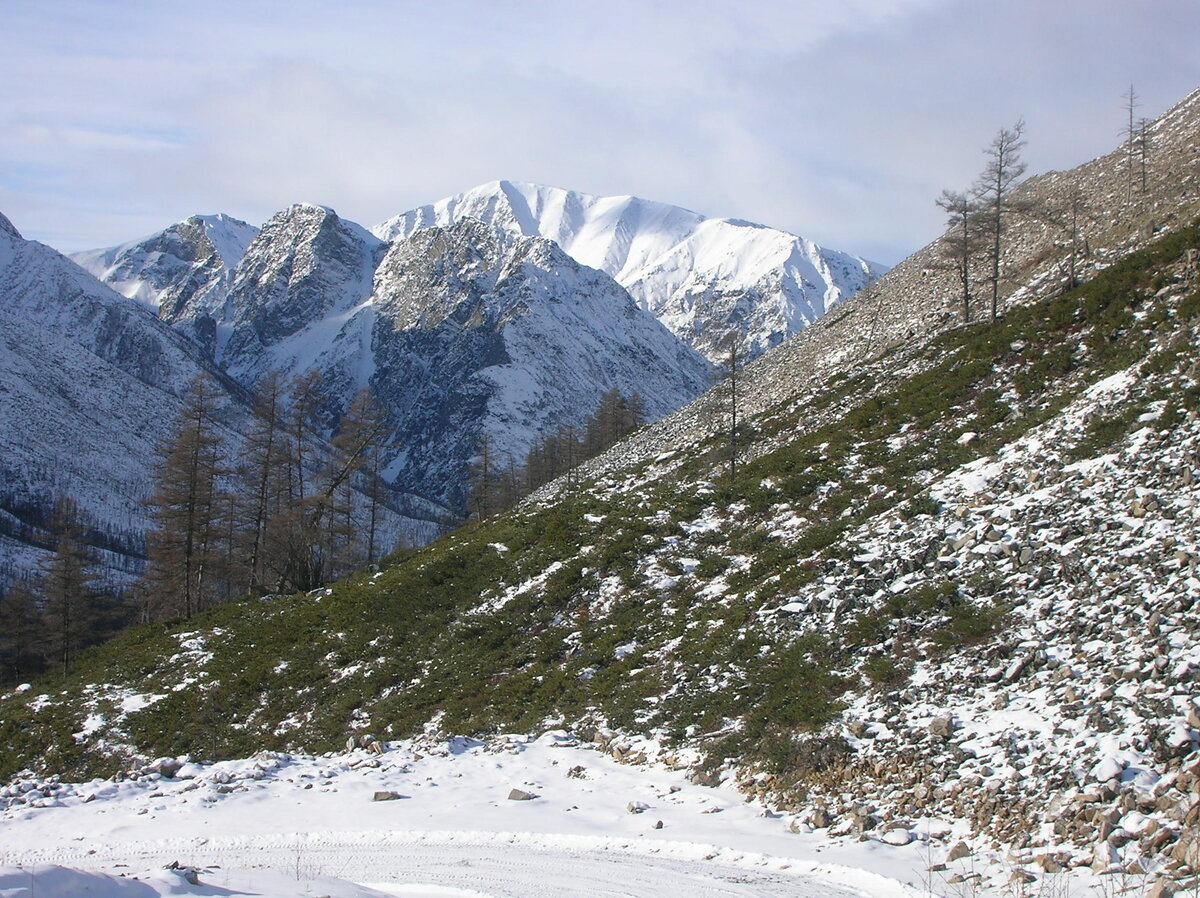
x,y
457,333
513,354
704,278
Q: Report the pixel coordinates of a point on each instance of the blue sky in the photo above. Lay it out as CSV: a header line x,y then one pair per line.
x,y
841,121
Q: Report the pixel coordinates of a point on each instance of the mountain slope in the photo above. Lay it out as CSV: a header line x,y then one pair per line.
x,y
924,516
471,335
90,383
955,578
703,278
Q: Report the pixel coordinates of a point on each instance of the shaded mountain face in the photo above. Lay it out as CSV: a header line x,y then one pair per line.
x,y
459,331
705,279
476,333
90,384
183,272
464,333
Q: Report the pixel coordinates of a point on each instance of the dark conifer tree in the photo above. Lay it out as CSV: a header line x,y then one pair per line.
x,y
185,568
992,194
22,634
68,592
263,478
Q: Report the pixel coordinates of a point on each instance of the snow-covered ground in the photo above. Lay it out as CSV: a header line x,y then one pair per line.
x,y
294,825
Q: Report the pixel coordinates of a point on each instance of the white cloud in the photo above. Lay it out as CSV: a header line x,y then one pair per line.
x,y
838,120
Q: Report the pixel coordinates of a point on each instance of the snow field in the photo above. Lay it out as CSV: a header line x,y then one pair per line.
x,y
291,825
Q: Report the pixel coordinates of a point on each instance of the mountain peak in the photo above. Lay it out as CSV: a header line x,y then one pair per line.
x,y
323,218
9,228
181,272
313,207
705,278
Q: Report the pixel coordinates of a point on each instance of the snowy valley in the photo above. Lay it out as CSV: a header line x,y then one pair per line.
x,y
430,816
908,605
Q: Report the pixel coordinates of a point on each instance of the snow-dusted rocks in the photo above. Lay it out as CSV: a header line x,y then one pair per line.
x,y
1073,737
703,278
8,228
477,335
183,272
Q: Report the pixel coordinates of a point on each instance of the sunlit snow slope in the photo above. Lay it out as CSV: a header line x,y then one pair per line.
x,y
183,272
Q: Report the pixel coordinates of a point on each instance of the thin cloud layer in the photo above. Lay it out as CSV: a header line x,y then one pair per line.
x,y
838,121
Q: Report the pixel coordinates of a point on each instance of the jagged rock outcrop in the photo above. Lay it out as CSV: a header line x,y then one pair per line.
x,y
183,272
295,295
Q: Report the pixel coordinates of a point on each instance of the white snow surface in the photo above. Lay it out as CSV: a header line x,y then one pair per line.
x,y
674,262
298,825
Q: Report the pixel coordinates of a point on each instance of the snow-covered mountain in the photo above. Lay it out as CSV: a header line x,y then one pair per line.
x,y
458,330
183,272
461,331
476,334
551,327
943,614
90,383
704,278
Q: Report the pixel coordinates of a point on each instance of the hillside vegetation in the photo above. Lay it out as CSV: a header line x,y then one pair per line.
x,y
732,621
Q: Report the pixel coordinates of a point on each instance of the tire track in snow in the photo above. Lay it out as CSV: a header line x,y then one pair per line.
x,y
500,865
